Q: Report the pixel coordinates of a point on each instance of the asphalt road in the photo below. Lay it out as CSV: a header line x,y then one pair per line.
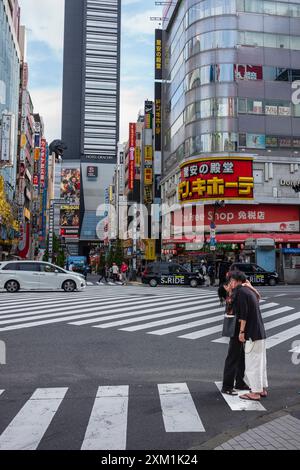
x,y
98,386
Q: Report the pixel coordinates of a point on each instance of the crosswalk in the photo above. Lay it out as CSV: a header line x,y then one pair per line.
x,y
189,314
107,421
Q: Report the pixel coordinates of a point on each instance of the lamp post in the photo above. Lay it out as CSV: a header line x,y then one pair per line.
x,y
217,205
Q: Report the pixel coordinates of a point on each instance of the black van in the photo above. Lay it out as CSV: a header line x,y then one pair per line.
x,y
256,274
170,274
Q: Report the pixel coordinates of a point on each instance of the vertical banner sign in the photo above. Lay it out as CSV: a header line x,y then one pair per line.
x,y
158,54
6,143
148,152
158,91
43,163
132,146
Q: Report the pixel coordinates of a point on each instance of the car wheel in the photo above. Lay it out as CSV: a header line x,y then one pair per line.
x,y
194,283
12,287
153,283
69,286
272,282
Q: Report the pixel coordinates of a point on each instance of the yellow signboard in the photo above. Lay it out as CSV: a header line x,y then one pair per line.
x,y
150,254
138,157
148,153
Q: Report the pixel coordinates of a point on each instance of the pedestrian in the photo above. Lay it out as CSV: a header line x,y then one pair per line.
x,y
252,334
211,274
115,272
71,267
234,368
103,274
124,271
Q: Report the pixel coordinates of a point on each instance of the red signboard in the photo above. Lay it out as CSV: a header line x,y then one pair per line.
x,y
132,146
43,163
248,72
216,178
239,218
132,135
35,180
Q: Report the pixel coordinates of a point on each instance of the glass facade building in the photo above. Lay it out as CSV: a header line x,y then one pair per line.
x,y
228,67
9,79
91,88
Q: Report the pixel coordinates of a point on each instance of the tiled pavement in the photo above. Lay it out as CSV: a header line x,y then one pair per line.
x,y
280,434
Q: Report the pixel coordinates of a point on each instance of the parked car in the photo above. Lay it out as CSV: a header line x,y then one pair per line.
x,y
256,274
170,274
38,275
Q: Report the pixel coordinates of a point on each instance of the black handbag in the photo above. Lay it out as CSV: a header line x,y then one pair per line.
x,y
229,326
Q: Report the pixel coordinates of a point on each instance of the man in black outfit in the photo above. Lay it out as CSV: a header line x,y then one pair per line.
x,y
234,370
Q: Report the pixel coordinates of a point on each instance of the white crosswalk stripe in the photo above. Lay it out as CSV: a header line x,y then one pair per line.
x,y
107,422
179,411
235,403
107,428
29,426
157,312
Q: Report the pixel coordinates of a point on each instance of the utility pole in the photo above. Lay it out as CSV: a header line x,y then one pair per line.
x,y
213,243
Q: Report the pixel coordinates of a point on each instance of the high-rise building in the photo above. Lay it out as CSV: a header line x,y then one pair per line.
x,y
227,68
90,118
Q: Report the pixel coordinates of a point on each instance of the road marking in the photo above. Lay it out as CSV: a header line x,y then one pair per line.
x,y
145,326
38,315
107,428
265,315
295,350
237,404
282,321
202,333
59,306
178,408
30,424
186,326
1,391
215,329
187,308
282,337
128,314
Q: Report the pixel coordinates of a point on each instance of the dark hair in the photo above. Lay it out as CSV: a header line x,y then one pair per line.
x,y
238,276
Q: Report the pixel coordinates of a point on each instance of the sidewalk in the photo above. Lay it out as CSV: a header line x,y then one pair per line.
x,y
279,434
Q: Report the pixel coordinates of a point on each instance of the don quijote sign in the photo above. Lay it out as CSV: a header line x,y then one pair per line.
x,y
216,178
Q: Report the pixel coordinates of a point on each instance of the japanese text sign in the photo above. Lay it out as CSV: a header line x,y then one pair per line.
x,y
216,178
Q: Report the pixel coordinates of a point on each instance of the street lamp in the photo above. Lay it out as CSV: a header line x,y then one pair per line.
x,y
217,205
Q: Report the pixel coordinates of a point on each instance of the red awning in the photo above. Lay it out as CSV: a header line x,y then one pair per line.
x,y
239,238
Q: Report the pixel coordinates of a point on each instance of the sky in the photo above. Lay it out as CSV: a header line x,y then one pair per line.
x,y
44,21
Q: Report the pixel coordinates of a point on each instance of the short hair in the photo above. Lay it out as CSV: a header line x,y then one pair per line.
x,y
238,276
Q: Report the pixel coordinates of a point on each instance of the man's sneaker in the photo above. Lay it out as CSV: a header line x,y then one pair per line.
x,y
227,391
241,388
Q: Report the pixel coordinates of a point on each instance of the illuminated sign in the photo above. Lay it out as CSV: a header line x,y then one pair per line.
x,y
216,178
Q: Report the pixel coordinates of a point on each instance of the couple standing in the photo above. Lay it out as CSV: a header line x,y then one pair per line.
x,y
245,365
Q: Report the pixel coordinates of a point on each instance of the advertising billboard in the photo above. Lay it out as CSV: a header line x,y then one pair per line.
x,y
69,216
216,178
70,184
43,163
132,146
158,111
7,139
158,54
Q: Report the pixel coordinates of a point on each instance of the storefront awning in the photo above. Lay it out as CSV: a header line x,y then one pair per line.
x,y
242,237
239,238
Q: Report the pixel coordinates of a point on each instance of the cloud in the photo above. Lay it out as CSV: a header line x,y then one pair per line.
x,y
139,23
44,21
132,101
47,102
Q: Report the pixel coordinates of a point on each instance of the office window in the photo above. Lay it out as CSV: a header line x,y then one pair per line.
x,y
254,6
